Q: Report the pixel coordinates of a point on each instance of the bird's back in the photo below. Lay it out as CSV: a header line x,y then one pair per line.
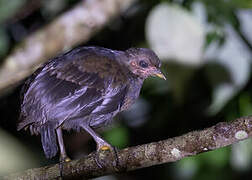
x,y
86,84
83,89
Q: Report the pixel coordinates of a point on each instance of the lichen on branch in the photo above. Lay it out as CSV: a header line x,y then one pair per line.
x,y
169,150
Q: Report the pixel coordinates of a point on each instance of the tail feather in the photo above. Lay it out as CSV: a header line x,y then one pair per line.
x,y
49,140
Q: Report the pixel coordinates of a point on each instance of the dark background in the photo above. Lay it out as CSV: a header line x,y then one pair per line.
x,y
165,109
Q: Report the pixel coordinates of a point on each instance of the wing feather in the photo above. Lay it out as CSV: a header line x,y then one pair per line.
x,y
75,85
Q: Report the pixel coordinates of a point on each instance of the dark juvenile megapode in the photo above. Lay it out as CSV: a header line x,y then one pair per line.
x,y
83,89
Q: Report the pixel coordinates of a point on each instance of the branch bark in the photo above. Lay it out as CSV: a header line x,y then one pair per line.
x,y
170,150
72,28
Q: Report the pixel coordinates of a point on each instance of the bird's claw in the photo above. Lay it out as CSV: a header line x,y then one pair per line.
x,y
66,159
63,159
105,148
105,155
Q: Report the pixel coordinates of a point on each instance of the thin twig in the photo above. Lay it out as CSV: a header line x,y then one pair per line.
x,y
170,150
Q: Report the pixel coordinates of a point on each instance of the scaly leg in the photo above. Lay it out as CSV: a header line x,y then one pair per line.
x,y
63,156
102,145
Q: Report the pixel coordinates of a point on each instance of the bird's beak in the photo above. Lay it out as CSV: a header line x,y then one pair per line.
x,y
159,74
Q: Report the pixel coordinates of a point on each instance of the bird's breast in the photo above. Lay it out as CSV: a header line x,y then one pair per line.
x,y
132,94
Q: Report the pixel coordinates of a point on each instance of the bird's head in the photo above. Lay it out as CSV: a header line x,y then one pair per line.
x,y
144,62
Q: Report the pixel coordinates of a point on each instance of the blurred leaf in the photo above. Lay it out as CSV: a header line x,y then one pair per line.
x,y
9,8
186,168
4,43
245,105
241,3
235,57
13,155
244,18
217,158
195,167
117,136
232,111
214,36
108,177
241,158
53,7
175,34
219,11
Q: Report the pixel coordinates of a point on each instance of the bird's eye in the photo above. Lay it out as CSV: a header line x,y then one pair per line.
x,y
143,64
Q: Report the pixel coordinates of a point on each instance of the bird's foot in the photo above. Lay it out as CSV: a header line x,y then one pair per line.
x,y
63,159
105,148
106,154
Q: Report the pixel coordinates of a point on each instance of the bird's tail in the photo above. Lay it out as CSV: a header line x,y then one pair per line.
x,y
49,140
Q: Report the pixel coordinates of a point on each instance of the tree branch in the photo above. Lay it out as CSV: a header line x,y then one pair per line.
x,y
73,27
170,150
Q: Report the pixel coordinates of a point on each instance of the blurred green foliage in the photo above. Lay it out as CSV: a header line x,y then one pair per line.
x,y
213,162
4,43
245,104
118,136
241,3
8,8
178,104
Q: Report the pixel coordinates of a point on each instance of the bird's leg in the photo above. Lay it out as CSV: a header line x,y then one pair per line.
x,y
63,156
102,146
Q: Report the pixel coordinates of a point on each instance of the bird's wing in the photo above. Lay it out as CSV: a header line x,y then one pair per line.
x,y
76,85
92,64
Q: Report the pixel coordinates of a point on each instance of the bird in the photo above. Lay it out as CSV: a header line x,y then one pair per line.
x,y
83,89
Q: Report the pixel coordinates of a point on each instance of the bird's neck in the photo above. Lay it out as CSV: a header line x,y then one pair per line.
x,y
120,57
135,86
135,81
